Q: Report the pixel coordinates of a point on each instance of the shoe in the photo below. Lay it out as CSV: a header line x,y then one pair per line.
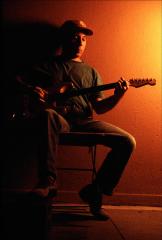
x,y
92,195
99,214
46,189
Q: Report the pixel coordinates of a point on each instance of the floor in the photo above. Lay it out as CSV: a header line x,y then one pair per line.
x,y
74,222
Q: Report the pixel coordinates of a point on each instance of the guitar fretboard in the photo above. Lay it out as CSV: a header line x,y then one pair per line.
x,y
75,92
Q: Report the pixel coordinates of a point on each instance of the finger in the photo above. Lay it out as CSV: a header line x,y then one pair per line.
x,y
119,85
125,83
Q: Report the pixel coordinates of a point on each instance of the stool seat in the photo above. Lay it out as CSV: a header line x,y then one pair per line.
x,y
80,138
86,139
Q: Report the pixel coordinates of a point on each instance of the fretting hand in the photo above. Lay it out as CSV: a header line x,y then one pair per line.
x,y
121,87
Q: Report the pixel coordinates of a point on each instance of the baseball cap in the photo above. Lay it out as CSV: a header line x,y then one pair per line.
x,y
73,26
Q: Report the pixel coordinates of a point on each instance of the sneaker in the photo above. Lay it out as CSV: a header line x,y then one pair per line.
x,y
47,188
92,195
99,214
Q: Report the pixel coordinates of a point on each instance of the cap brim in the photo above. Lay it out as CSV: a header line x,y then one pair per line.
x,y
87,31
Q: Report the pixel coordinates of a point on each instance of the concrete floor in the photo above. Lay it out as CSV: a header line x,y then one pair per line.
x,y
74,222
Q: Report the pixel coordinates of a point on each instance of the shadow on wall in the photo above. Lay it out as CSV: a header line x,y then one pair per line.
x,y
27,43
24,44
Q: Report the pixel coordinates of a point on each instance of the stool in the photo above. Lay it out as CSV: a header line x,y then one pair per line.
x,y
81,139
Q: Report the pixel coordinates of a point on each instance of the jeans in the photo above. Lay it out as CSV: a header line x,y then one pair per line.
x,y
44,129
118,140
121,144
49,125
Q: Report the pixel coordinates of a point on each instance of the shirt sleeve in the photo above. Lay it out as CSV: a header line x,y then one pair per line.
x,y
97,81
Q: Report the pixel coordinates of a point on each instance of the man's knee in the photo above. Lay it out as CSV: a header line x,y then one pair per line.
x,y
130,142
57,120
50,112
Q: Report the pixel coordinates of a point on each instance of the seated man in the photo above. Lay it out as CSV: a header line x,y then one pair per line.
x,y
75,113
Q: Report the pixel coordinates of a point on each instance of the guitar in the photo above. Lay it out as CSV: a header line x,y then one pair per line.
x,y
66,89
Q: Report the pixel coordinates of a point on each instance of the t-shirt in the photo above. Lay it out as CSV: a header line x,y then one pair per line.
x,y
82,76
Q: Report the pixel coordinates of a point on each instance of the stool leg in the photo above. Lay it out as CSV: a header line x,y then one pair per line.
x,y
93,158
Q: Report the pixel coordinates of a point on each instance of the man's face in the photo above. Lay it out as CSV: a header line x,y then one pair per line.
x,y
76,44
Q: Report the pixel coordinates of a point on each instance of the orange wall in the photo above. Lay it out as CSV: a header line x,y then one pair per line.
x,y
126,42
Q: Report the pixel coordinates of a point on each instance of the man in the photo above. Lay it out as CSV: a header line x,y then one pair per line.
x,y
76,114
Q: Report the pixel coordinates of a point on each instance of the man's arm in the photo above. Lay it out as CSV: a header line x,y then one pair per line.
x,y
103,105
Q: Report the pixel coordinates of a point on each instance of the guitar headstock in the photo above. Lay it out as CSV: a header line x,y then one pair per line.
x,y
139,82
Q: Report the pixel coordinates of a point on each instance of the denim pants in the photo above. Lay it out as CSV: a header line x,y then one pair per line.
x,y
42,131
120,142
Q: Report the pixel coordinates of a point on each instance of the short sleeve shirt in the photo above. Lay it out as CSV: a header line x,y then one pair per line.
x,y
82,76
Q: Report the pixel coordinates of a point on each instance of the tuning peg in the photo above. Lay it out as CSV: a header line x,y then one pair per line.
x,y
152,81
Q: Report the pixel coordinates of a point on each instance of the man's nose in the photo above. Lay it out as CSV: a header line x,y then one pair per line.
x,y
80,42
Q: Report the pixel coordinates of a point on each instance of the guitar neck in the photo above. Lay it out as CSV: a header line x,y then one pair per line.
x,y
75,92
132,82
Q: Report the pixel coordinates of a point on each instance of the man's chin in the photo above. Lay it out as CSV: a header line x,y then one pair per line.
x,y
79,54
